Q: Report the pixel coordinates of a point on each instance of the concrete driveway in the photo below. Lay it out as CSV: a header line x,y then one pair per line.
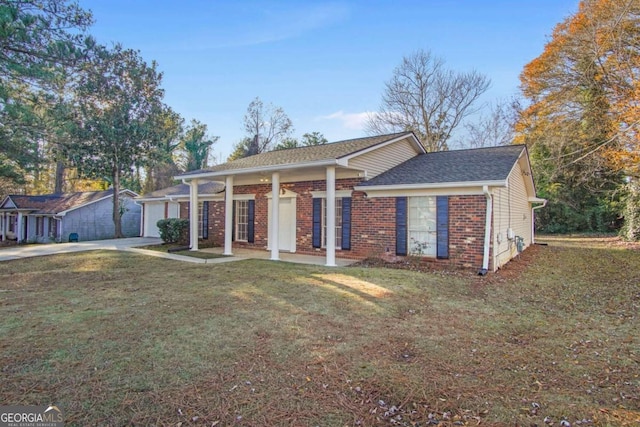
x,y
26,251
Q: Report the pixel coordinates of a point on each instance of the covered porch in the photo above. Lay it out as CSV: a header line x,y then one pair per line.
x,y
281,213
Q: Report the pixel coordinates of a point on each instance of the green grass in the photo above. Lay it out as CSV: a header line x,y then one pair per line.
x,y
114,338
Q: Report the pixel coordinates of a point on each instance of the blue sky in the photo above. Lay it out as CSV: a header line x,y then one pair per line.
x,y
324,63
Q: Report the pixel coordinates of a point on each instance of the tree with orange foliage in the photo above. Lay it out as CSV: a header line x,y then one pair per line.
x,y
582,120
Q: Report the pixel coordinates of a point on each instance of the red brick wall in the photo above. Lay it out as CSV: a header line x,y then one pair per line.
x,y
372,223
466,230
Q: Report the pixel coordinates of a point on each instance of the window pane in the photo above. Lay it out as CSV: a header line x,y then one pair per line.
x,y
338,229
242,220
200,212
422,226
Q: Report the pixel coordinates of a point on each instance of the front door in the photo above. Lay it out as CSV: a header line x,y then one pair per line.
x,y
286,224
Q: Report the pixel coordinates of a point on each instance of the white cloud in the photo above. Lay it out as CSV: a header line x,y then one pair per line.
x,y
354,121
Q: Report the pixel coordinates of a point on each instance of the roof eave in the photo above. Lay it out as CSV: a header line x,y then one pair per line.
x,y
262,169
428,186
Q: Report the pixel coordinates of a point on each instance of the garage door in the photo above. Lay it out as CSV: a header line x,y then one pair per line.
x,y
153,212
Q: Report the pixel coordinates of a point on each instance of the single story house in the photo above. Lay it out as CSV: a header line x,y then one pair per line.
x,y
386,197
165,203
53,217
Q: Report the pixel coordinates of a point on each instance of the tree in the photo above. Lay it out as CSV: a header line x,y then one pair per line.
x,y
197,146
425,97
495,128
266,126
120,105
40,42
313,138
581,122
308,139
162,164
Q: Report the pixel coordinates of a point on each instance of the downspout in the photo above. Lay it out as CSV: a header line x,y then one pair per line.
x,y
533,220
487,232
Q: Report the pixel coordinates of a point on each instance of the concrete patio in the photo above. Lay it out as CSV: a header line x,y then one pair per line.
x,y
241,253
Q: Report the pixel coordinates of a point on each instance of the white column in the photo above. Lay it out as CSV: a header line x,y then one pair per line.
x,y
275,216
193,214
331,216
228,215
3,226
19,232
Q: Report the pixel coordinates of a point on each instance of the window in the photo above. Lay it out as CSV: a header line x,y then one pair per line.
x,y
11,223
53,228
338,229
39,226
242,220
422,230
200,220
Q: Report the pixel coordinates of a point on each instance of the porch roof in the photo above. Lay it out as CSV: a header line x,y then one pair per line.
x,y
316,155
182,190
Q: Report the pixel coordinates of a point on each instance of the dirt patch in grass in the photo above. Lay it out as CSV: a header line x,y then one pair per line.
x,y
176,249
122,339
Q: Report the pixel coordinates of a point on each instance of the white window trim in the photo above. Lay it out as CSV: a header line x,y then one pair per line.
x,y
411,229
235,225
244,197
323,225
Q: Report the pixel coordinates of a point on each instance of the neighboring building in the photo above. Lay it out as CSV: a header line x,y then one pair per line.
x,y
469,208
165,203
53,217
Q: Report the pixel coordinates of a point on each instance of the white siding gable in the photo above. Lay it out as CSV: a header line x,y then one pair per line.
x,y
512,211
382,159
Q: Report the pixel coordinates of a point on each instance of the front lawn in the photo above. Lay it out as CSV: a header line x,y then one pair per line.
x,y
117,338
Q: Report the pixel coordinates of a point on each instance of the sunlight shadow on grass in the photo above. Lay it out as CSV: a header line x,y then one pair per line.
x,y
357,285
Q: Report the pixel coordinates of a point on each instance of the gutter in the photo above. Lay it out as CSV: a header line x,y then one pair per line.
x,y
487,232
261,169
533,219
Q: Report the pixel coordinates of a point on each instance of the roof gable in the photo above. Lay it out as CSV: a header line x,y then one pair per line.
x,y
304,155
456,166
7,203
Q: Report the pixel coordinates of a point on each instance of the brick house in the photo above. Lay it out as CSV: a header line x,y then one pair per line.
x,y
470,208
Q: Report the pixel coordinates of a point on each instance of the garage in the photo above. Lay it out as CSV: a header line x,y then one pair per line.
x,y
154,212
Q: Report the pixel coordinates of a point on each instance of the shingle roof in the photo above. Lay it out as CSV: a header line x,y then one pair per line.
x,y
472,165
51,204
183,190
334,150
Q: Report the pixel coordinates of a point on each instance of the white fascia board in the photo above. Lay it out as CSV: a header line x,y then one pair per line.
x,y
263,169
323,194
201,197
384,144
151,199
440,185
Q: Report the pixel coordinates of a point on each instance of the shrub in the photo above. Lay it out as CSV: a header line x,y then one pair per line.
x,y
174,230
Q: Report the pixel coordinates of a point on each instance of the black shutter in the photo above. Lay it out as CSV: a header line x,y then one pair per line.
x,y
442,226
317,223
251,214
205,220
401,225
346,223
